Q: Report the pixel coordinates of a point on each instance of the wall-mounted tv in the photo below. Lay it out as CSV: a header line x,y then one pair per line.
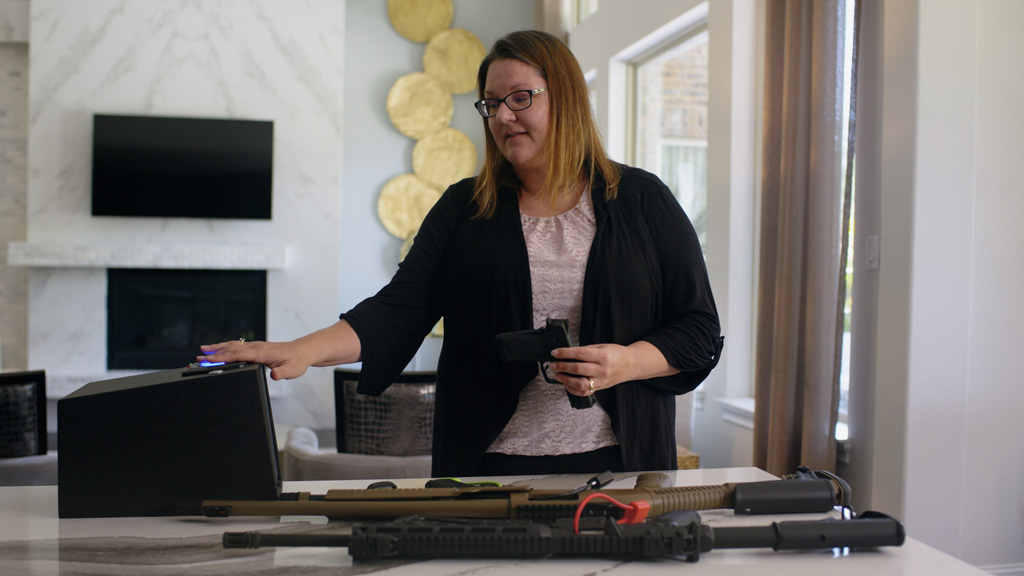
x,y
182,167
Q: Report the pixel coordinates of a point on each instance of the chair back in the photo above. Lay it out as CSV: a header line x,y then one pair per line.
x,y
399,422
23,414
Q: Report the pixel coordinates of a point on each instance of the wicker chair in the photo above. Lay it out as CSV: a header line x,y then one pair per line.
x,y
377,437
399,422
24,458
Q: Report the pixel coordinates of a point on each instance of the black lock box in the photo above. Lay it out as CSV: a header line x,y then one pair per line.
x,y
158,444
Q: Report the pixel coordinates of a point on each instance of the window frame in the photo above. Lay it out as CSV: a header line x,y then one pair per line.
x,y
632,72
668,44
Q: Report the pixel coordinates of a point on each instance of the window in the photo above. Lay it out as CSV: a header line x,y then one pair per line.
x,y
668,135
671,120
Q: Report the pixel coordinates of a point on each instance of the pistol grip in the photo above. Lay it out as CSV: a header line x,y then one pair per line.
x,y
577,402
580,402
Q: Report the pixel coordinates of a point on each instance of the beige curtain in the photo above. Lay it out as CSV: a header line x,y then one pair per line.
x,y
802,261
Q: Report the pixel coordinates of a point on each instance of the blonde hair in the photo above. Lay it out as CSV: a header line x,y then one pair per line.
x,y
576,150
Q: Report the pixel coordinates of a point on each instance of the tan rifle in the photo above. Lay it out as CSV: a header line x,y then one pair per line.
x,y
804,492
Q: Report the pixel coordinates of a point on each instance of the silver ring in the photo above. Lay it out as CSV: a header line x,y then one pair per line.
x,y
591,380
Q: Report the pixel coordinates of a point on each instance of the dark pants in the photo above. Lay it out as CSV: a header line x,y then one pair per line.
x,y
496,464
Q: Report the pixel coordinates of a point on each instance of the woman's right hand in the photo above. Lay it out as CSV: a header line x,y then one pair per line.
x,y
336,344
280,357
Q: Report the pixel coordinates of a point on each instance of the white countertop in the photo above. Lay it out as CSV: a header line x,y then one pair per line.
x,y
34,541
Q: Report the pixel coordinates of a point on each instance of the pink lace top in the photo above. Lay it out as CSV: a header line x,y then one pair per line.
x,y
544,422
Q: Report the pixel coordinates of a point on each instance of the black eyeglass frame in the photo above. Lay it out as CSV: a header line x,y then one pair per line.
x,y
481,105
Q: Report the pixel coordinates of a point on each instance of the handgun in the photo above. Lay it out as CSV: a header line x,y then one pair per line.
x,y
536,346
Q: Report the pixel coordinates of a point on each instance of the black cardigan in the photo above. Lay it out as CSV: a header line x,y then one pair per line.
x,y
645,280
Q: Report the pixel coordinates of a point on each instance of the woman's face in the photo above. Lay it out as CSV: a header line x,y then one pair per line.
x,y
520,136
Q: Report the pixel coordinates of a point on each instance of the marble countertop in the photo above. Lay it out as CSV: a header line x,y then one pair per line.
x,y
33,540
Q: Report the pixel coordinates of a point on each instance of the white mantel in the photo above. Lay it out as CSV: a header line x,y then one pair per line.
x,y
181,257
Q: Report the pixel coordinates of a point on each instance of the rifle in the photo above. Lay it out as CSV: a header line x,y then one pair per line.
x,y
676,534
805,491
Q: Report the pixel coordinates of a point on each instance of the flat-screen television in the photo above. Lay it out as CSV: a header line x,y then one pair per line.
x,y
182,167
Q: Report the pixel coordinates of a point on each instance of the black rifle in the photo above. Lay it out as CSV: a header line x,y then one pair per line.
x,y
674,535
536,346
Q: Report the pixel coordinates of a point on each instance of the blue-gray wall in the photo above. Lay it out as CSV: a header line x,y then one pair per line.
x,y
374,151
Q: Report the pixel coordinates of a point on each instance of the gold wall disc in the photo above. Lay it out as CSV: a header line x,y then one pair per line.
x,y
404,202
438,331
444,157
420,20
418,105
453,57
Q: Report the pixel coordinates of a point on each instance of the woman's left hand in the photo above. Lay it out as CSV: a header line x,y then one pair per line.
x,y
585,369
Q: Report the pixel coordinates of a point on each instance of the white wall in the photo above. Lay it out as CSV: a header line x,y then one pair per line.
x,y
993,434
964,431
937,434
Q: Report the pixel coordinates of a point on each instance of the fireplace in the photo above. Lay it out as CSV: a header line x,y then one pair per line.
x,y
156,319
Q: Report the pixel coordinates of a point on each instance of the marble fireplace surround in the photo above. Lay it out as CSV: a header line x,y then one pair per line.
x,y
84,266
274,60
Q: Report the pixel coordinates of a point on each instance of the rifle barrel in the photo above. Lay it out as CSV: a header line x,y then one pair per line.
x,y
388,509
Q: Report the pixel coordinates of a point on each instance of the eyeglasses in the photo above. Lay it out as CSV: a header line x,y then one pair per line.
x,y
516,101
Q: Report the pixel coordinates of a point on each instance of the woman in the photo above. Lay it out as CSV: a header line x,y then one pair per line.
x,y
550,228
